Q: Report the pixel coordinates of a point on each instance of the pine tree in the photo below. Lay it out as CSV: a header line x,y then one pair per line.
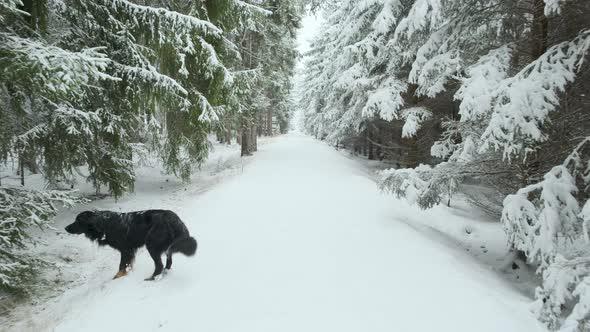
x,y
347,79
505,81
22,210
268,60
95,83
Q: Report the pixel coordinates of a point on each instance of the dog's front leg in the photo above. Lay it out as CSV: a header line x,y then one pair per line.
x,y
126,261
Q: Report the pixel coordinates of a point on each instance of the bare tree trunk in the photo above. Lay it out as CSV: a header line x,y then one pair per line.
x,y
412,159
227,130
539,32
261,130
365,144
369,136
539,29
21,165
253,138
379,149
269,123
36,18
245,141
32,165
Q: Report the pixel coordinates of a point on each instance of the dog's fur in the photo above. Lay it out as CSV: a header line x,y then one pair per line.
x,y
161,231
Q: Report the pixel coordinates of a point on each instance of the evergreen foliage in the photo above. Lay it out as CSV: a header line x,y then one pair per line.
x,y
21,210
99,83
73,93
501,85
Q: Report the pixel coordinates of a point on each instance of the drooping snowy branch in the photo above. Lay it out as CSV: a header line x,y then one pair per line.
x,y
483,78
74,122
11,6
386,100
59,71
162,20
522,104
546,221
414,117
553,7
543,226
408,183
252,8
435,64
423,185
423,13
20,210
156,79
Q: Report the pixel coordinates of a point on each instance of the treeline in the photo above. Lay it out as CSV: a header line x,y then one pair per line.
x,y
101,83
487,93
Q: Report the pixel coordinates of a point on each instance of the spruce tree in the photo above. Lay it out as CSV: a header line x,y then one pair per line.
x,y
93,83
513,74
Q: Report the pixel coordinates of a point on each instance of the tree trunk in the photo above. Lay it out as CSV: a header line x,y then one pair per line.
x,y
227,130
31,164
269,123
245,141
371,150
253,138
379,151
412,159
22,170
539,29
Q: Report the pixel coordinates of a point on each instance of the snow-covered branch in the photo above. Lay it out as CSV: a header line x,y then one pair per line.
x,y
21,209
59,71
522,104
414,117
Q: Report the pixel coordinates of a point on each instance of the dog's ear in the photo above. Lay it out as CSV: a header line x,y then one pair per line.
x,y
92,218
84,216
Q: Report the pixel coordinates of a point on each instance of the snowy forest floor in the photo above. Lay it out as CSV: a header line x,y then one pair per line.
x,y
298,239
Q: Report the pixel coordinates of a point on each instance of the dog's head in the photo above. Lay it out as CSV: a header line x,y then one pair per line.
x,y
87,223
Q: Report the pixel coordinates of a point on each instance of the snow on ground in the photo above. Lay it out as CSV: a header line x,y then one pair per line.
x,y
302,240
81,266
463,225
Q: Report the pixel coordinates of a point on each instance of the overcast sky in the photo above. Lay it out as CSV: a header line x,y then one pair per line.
x,y
310,25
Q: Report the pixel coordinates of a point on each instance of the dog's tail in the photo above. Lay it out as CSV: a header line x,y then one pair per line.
x,y
186,245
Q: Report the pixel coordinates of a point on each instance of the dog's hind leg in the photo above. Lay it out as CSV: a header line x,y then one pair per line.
x,y
156,254
127,257
168,261
156,242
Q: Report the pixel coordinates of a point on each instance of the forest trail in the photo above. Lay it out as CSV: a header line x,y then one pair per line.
x,y
303,240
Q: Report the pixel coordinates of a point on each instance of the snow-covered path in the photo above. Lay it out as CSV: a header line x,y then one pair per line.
x,y
304,241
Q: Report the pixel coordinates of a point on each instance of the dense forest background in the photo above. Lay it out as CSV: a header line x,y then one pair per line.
x,y
487,98
101,85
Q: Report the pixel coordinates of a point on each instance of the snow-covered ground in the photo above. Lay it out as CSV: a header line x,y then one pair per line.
x,y
78,263
301,240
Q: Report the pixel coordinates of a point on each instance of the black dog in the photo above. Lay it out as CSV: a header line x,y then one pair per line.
x,y
159,230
